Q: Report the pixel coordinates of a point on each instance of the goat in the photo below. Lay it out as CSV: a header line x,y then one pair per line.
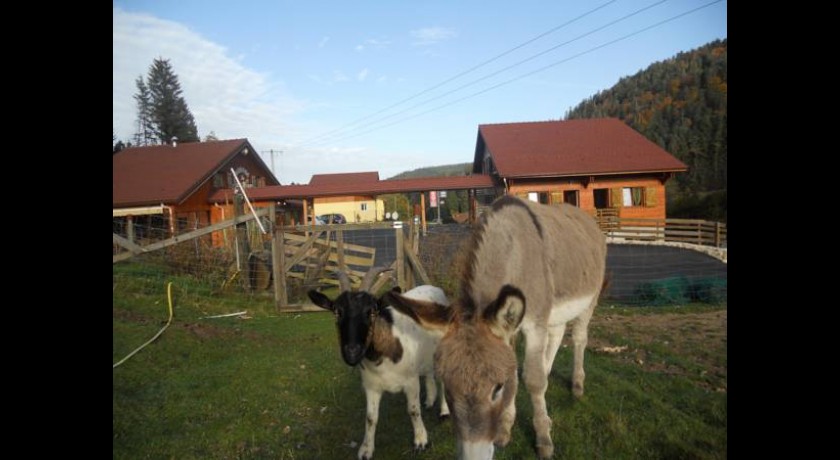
x,y
553,258
389,347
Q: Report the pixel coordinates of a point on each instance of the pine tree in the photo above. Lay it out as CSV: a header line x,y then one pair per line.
x,y
145,134
170,115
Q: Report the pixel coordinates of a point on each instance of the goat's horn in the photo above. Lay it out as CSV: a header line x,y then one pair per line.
x,y
343,281
370,276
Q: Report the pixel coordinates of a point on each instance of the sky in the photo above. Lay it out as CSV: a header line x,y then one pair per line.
x,y
322,87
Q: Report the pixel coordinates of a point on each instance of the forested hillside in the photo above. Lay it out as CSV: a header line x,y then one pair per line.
x,y
459,169
680,104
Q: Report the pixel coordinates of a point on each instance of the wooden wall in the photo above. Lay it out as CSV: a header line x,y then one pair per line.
x,y
653,209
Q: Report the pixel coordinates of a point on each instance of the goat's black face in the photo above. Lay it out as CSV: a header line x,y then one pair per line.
x,y
353,314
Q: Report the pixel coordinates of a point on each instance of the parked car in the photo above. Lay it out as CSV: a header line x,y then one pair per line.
x,y
333,218
318,220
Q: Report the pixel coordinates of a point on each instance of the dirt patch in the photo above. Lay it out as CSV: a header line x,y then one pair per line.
x,y
688,344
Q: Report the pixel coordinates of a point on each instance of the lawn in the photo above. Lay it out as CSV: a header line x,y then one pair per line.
x,y
273,386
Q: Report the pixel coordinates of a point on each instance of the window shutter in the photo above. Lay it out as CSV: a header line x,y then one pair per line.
x,y
556,197
650,197
523,195
616,197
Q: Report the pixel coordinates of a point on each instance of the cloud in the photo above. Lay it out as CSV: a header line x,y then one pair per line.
x,y
224,96
338,76
362,75
323,42
432,35
375,43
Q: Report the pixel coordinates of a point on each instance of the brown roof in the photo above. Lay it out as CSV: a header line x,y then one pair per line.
x,y
166,174
571,148
344,178
419,184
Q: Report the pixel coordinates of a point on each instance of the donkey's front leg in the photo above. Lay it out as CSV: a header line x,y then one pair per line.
x,y
536,382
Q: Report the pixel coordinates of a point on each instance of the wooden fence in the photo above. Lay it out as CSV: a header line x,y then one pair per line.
x,y
677,230
305,252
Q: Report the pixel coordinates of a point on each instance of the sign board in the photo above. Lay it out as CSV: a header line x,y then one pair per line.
x,y
433,199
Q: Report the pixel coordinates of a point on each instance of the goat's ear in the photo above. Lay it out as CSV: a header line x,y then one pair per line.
x,y
320,300
504,315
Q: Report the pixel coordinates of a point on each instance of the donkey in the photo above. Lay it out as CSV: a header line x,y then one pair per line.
x,y
550,258
391,349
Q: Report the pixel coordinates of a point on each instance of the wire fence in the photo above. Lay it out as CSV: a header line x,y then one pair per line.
x,y
214,265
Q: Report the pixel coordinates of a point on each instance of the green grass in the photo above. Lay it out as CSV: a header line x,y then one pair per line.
x,y
275,387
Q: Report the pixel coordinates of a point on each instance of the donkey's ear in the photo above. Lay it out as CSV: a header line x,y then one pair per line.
x,y
504,315
320,300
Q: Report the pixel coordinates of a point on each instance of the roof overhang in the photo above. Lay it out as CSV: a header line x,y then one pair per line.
x,y
588,174
139,211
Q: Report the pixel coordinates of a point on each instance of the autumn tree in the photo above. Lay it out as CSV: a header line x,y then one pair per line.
x,y
680,104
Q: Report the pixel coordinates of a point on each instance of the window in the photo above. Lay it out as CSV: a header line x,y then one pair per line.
x,y
544,198
632,196
219,180
571,197
364,206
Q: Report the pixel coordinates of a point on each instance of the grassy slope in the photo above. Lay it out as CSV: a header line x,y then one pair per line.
x,y
274,386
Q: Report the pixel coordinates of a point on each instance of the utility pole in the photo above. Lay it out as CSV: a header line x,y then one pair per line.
x,y
274,171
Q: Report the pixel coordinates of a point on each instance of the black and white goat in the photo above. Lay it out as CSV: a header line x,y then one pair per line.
x,y
391,349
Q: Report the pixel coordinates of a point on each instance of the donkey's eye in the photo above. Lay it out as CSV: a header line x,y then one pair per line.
x,y
497,391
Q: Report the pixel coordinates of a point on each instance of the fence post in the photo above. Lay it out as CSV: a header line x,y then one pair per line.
x,y
409,269
400,259
423,211
717,234
339,241
278,261
129,231
242,250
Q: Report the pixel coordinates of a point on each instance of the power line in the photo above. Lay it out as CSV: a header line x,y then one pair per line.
x,y
552,30
473,82
541,69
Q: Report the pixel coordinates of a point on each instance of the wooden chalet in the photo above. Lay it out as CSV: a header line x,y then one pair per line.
x,y
601,165
166,188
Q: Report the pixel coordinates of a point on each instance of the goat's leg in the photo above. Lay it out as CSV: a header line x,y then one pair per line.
x,y
444,406
412,396
431,389
373,397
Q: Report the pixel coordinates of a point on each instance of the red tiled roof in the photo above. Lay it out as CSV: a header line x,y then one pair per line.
x,y
419,184
344,178
166,174
571,148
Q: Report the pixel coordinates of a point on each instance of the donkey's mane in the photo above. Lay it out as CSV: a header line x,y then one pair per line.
x,y
474,245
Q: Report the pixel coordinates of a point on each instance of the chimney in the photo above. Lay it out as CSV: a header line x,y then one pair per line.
x,y
174,141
